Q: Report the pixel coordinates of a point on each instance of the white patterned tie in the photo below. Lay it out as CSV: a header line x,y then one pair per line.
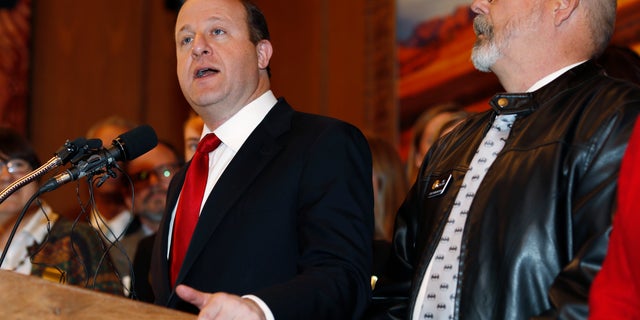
x,y
439,285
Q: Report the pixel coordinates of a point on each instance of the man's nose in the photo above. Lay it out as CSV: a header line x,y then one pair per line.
x,y
200,46
481,7
4,173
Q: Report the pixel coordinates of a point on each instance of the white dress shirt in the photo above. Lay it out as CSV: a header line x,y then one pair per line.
x,y
34,231
232,134
112,229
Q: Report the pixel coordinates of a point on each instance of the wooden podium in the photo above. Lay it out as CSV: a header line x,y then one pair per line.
x,y
29,297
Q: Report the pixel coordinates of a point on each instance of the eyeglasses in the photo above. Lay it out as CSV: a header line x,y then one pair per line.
x,y
15,167
163,172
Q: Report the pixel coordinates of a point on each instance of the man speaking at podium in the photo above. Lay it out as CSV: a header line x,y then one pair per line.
x,y
273,216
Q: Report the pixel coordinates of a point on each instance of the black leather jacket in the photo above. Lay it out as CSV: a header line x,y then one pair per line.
x,y
537,227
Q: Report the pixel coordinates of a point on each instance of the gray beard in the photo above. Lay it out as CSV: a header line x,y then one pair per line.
x,y
484,56
485,52
152,216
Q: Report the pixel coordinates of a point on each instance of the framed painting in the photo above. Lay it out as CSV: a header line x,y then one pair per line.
x,y
434,42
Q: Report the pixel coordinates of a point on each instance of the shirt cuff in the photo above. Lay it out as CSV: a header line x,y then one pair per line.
x,y
263,306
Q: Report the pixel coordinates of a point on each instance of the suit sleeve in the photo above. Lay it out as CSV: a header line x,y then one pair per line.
x,y
335,214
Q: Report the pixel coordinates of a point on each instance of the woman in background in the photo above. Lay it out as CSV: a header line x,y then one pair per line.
x,y
390,186
192,134
431,125
46,244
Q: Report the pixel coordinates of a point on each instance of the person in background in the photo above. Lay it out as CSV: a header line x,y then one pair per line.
x,y
390,186
192,131
508,218
427,129
621,62
111,214
150,174
46,245
616,289
274,213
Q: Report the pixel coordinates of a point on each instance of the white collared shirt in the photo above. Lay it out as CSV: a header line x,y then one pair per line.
x,y
232,134
34,231
552,76
112,229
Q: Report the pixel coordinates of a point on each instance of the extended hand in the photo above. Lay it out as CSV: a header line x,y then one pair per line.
x,y
220,305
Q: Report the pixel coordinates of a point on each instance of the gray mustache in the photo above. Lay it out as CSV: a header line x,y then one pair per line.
x,y
482,26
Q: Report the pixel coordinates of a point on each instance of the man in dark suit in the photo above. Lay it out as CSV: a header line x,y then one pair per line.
x,y
285,227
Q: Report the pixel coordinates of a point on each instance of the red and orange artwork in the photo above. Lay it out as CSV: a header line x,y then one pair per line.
x,y
434,42
15,30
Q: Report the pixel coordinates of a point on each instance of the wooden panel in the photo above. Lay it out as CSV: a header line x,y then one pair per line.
x,y
380,97
328,61
86,65
93,59
163,106
346,58
297,51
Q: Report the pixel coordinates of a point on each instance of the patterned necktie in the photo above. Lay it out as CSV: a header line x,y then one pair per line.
x,y
190,202
439,285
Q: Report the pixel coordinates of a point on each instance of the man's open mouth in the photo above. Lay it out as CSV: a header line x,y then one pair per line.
x,y
205,72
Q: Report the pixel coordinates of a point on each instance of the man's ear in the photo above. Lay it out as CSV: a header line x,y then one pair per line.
x,y
563,10
126,195
264,51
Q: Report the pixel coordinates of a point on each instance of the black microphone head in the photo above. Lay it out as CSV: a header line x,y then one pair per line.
x,y
70,149
92,144
73,150
136,142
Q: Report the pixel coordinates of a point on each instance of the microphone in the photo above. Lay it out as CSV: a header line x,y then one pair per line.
x,y
126,146
70,151
74,150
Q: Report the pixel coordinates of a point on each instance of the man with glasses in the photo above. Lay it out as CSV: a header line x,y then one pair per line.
x,y
150,176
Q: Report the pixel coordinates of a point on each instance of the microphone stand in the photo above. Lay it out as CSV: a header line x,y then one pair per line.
x,y
13,187
30,177
70,151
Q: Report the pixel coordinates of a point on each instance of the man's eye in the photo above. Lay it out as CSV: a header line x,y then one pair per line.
x,y
218,32
186,40
141,176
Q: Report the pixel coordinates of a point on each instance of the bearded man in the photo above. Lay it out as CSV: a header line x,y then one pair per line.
x,y
509,216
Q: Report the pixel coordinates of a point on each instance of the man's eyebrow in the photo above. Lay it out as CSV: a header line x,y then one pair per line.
x,y
184,28
187,27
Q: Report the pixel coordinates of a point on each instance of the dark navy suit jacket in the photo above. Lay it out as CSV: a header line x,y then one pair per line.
x,y
290,220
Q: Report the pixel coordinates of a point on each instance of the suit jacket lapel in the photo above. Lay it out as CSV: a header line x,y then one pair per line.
x,y
161,279
253,156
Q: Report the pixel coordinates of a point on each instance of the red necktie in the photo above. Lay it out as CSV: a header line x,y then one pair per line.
x,y
190,201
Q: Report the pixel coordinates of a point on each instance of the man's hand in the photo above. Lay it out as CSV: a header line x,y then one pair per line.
x,y
220,305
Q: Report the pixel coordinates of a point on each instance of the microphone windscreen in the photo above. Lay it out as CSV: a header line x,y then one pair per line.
x,y
138,141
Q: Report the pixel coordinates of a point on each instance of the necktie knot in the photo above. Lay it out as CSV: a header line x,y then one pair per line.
x,y
209,143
